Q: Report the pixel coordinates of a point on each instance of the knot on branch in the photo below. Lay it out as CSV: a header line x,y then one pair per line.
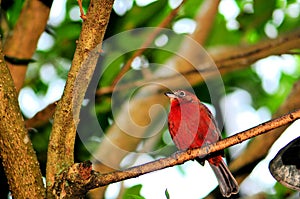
x,y
80,172
72,182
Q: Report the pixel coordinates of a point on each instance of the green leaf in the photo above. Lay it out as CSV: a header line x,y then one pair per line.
x,y
167,194
14,11
281,192
133,192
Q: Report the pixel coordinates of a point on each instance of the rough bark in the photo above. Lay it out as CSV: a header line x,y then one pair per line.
x,y
17,154
66,117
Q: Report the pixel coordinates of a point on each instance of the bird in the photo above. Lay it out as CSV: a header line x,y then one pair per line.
x,y
192,125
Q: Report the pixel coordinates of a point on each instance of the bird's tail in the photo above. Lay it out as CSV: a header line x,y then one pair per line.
x,y
227,182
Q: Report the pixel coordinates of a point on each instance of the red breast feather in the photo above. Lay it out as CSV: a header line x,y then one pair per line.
x,y
191,125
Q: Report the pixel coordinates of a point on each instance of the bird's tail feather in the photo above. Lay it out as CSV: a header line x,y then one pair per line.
x,y
227,182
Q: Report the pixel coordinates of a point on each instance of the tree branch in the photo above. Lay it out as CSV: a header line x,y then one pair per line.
x,y
239,57
21,44
18,157
181,157
66,117
226,60
205,19
82,173
259,147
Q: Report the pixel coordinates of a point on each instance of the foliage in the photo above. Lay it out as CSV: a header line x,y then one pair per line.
x,y
167,194
281,192
133,192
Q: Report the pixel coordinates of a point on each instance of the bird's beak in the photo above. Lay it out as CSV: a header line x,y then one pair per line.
x,y
170,94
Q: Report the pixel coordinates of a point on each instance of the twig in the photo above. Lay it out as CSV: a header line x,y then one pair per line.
x,y
248,55
82,15
138,83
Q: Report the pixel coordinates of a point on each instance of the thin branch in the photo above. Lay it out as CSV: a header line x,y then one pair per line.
x,y
247,55
148,41
181,157
226,61
82,15
81,173
259,147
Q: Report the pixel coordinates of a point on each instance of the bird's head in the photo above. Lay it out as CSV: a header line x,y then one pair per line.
x,y
181,96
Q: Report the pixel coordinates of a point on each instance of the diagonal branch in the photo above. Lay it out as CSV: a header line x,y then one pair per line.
x,y
259,147
244,56
66,117
181,157
18,157
81,173
226,60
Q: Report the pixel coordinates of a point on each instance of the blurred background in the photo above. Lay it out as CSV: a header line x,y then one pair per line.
x,y
253,46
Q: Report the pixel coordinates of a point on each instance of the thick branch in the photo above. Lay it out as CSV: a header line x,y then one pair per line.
x,y
89,179
21,44
66,117
18,157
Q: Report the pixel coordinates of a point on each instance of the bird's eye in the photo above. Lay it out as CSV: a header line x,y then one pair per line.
x,y
181,93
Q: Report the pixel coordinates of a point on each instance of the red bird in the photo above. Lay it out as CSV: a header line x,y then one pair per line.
x,y
192,125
